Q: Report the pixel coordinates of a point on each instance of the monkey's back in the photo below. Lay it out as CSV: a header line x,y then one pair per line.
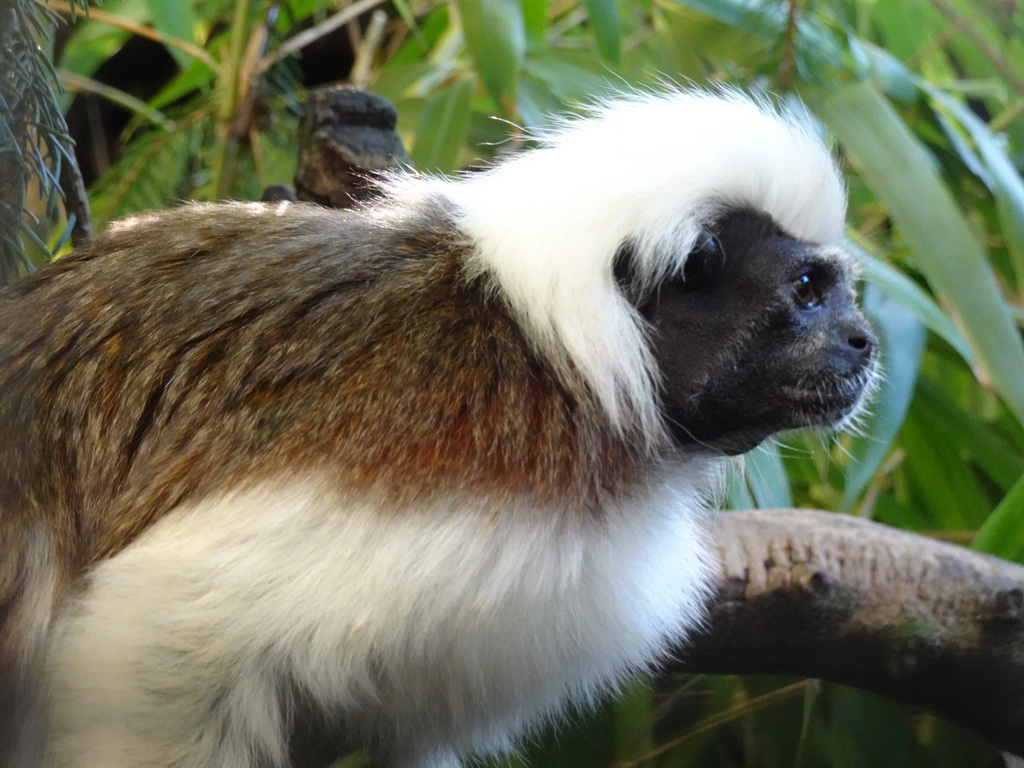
x,y
206,347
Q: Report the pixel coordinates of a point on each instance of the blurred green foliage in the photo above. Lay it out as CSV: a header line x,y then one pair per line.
x,y
924,99
33,137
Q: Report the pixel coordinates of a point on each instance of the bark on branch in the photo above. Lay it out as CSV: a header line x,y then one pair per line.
x,y
828,596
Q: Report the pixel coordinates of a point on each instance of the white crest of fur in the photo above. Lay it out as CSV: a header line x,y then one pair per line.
x,y
651,169
429,628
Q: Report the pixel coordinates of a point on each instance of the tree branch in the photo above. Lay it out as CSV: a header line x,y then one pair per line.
x,y
76,201
828,596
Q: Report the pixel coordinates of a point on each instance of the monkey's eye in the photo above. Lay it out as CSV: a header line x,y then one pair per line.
x,y
704,262
807,290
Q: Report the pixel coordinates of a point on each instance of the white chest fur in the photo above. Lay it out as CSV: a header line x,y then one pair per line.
x,y
428,631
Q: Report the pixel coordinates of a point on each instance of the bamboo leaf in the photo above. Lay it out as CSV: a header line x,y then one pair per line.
x,y
1002,461
193,77
632,720
496,36
79,84
152,171
737,493
604,21
935,472
902,340
1003,531
766,476
535,21
443,128
566,76
537,104
175,20
901,24
410,21
911,297
92,44
733,13
768,22
1002,176
903,176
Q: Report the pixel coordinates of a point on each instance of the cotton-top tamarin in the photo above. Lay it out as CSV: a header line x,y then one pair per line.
x,y
278,482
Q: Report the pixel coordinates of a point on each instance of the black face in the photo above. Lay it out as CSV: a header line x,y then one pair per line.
x,y
759,334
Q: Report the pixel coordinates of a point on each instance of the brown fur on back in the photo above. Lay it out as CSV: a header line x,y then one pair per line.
x,y
192,350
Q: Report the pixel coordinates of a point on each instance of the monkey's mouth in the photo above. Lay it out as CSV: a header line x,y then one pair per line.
x,y
833,406
828,399
831,401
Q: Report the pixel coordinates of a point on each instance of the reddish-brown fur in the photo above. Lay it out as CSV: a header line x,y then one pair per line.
x,y
205,347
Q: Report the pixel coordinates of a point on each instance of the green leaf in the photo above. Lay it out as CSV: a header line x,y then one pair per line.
x,y
410,21
603,16
901,27
537,104
737,494
766,476
496,36
1002,176
633,718
174,18
443,127
92,44
567,76
902,340
817,48
911,297
535,21
1000,460
77,83
353,760
1003,531
883,69
734,13
152,172
936,473
194,76
692,36
903,175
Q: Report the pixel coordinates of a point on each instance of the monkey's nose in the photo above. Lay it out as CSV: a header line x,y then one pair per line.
x,y
861,339
854,342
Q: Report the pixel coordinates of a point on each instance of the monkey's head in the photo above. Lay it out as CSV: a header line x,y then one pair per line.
x,y
757,333
680,256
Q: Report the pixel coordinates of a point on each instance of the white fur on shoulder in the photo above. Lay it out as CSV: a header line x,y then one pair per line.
x,y
653,169
426,627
